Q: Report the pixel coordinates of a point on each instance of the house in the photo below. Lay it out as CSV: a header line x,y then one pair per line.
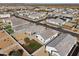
x,y
36,15
58,19
1,24
50,9
59,10
69,25
77,26
4,15
7,21
61,45
55,21
46,35
4,22
70,16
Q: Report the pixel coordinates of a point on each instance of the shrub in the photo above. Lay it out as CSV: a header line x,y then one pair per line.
x,y
19,52
8,26
9,30
27,40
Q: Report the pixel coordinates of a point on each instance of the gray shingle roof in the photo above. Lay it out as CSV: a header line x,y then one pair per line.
x,y
57,40
77,26
59,21
47,33
63,43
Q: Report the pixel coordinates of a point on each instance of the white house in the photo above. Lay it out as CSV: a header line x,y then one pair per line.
x,y
55,21
47,35
36,15
61,45
7,21
4,15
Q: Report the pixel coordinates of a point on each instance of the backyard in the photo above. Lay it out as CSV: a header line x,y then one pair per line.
x,y
31,45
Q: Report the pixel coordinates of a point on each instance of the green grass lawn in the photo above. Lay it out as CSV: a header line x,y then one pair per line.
x,y
9,29
33,46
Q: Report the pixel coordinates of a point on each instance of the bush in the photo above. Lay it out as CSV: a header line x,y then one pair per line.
x,y
27,40
19,52
8,26
9,30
